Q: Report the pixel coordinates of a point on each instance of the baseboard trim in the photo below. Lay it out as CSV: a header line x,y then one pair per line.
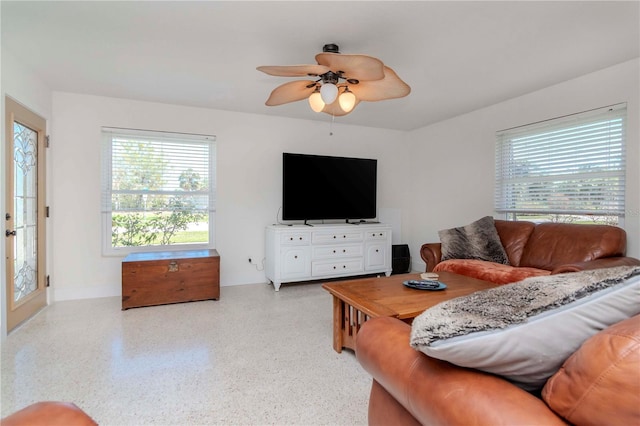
x,y
93,292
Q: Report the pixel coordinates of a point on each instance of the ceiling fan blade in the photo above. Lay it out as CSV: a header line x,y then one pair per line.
x,y
291,92
391,86
360,67
293,70
334,108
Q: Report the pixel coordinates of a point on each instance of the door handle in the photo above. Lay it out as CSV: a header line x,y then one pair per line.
x,y
9,233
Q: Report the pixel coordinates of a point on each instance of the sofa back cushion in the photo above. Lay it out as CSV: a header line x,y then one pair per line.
x,y
514,236
553,244
600,383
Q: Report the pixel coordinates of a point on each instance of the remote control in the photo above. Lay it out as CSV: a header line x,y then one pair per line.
x,y
424,283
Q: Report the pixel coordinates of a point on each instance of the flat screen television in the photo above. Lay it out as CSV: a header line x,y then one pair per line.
x,y
318,187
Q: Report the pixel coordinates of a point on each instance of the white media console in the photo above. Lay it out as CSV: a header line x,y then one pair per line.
x,y
303,253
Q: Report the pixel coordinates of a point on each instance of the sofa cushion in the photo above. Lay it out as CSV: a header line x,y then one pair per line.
x,y
553,244
605,368
514,236
489,271
478,240
524,331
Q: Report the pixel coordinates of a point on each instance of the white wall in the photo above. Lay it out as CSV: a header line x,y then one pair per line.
x,y
454,159
23,86
435,177
249,180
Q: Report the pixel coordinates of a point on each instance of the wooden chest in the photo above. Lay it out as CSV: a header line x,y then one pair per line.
x,y
159,278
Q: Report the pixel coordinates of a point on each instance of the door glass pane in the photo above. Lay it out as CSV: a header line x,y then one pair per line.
x,y
25,214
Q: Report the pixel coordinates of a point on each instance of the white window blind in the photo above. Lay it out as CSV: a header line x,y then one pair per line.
x,y
154,174
570,165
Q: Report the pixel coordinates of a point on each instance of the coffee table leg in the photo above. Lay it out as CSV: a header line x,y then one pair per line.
x,y
338,320
347,321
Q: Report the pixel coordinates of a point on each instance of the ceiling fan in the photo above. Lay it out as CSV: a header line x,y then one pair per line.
x,y
341,82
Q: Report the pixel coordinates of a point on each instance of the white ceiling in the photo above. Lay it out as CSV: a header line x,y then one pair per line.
x,y
456,56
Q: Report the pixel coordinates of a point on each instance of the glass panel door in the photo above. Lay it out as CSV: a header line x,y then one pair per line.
x,y
25,213
25,196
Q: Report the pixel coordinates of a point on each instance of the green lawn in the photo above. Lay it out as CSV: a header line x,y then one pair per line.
x,y
190,237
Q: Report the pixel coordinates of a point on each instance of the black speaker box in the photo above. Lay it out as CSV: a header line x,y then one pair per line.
x,y
400,259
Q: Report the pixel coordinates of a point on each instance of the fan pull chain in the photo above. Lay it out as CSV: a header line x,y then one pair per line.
x,y
333,118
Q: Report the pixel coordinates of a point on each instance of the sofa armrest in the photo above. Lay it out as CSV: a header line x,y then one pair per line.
x,y
437,392
49,413
607,262
431,253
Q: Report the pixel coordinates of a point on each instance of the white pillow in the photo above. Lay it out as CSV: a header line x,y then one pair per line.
x,y
524,331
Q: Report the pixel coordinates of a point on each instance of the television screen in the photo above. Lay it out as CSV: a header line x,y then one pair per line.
x,y
321,187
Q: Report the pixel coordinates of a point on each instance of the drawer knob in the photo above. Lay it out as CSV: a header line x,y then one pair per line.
x,y
334,237
377,250
290,238
344,236
344,266
344,251
300,238
173,266
334,251
295,257
334,267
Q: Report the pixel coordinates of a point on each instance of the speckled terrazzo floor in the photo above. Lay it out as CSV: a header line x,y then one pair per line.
x,y
254,357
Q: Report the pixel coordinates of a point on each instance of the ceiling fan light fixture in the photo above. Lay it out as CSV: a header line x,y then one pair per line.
x,y
315,101
347,100
348,79
329,93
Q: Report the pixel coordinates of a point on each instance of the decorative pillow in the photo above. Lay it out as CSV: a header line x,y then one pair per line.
x,y
606,368
478,240
524,331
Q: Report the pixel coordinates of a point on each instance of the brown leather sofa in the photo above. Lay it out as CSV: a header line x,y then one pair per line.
x,y
50,413
540,249
599,384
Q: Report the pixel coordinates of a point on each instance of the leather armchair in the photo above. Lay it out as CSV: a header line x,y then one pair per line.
x,y
412,388
598,384
49,413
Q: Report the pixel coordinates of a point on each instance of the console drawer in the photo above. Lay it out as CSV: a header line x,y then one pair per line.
x,y
336,267
320,237
294,238
337,251
376,235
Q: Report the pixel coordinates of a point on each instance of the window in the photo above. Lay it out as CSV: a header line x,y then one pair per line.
x,y
569,169
158,190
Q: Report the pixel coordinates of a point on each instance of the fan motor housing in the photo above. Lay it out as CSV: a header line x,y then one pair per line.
x,y
330,77
331,48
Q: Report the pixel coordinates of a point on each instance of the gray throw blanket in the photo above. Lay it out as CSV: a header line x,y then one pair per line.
x,y
514,303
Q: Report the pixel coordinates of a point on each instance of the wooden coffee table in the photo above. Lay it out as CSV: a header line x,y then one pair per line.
x,y
356,301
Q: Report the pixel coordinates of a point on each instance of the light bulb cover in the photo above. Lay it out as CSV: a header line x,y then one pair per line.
x,y
315,101
329,92
347,100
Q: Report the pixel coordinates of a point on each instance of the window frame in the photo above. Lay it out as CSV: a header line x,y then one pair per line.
x,y
552,134
107,182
